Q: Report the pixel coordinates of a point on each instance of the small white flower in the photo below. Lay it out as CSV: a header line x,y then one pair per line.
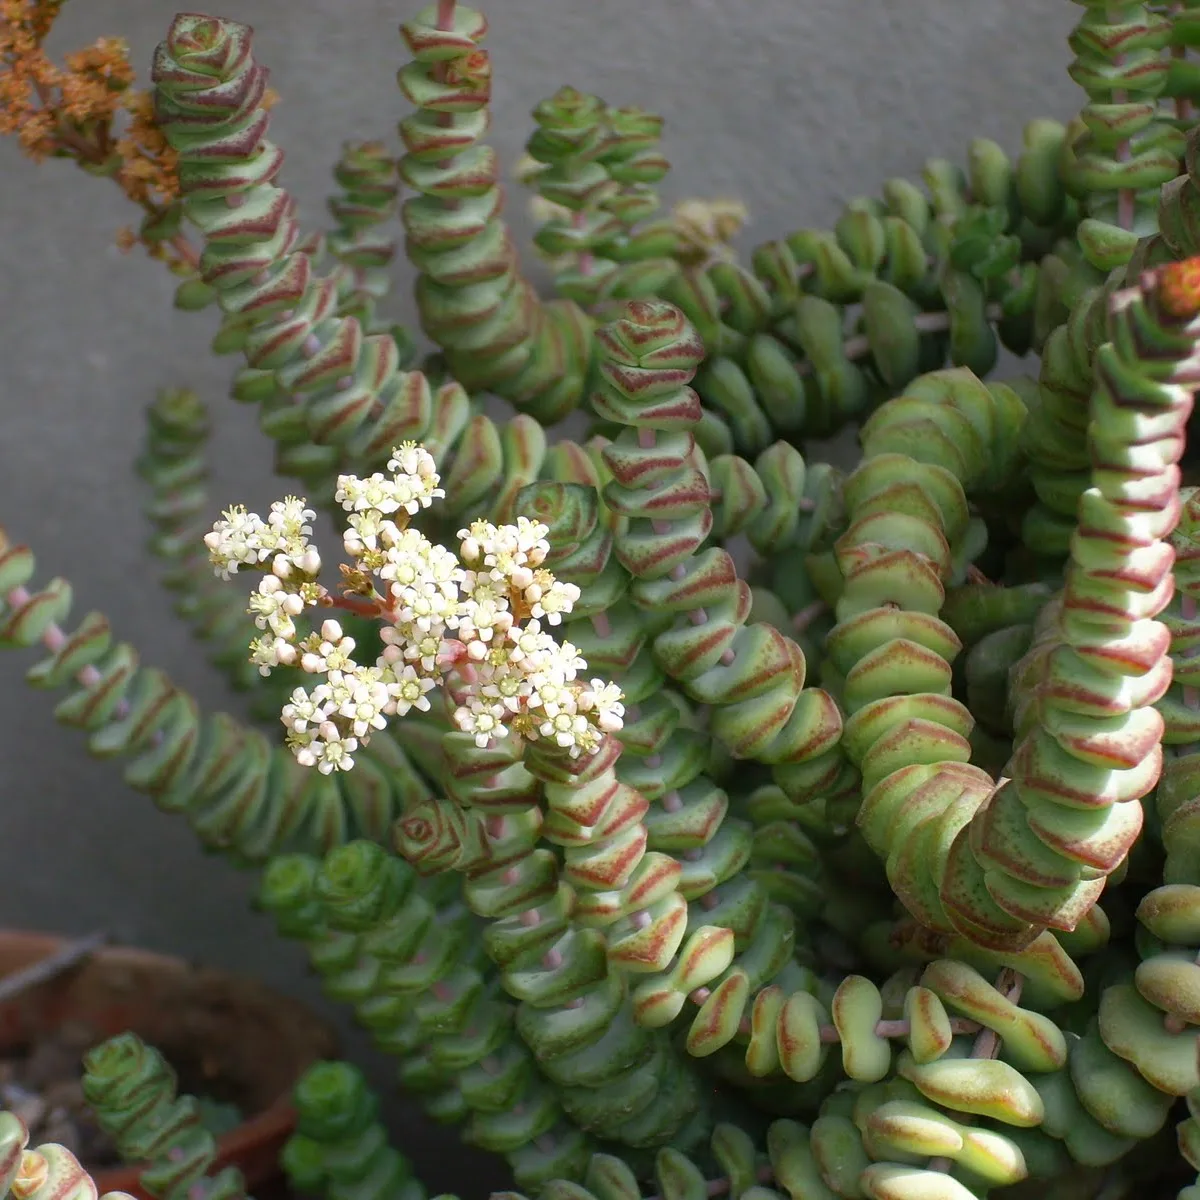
x,y
424,606
531,646
510,551
272,607
416,477
566,659
474,540
303,748
303,559
337,656
289,522
414,557
569,730
550,693
410,459
236,540
333,654
336,691
334,754
482,720
603,702
408,690
242,538
484,612
425,648
509,688
550,600
531,541
309,561
269,652
364,532
363,708
301,711
588,742
374,492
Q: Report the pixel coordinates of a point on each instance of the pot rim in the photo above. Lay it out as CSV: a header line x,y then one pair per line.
x,y
271,1124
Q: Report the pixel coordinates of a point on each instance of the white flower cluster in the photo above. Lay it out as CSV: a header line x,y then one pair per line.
x,y
478,620
242,539
245,539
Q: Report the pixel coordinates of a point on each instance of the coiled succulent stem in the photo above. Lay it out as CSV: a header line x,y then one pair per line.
x,y
132,1091
366,174
1100,745
241,793
570,139
474,301
339,1146
1128,152
1002,863
620,1082
750,675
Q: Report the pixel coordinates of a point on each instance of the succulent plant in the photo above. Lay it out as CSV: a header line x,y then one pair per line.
x,y
685,817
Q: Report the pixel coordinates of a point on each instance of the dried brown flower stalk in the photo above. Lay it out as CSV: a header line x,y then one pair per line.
x,y
89,110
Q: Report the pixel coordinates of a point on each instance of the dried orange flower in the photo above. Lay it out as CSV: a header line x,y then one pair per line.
x,y
26,74
1179,288
149,165
72,112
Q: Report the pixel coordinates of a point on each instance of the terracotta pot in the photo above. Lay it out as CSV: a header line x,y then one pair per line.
x,y
233,1029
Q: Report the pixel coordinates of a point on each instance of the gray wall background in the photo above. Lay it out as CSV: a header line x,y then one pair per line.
x,y
795,105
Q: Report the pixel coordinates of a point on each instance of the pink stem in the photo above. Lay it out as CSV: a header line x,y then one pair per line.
x,y
586,261
445,21
987,1043
53,639
1125,196
1184,109
859,346
885,1029
359,605
807,615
